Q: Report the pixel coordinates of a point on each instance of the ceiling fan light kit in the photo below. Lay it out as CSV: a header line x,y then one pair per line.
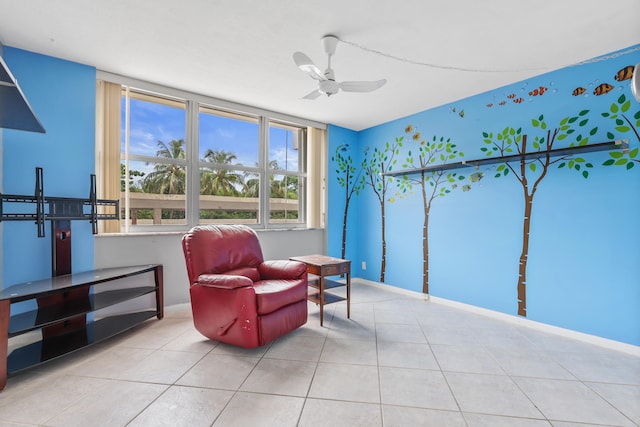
x,y
327,84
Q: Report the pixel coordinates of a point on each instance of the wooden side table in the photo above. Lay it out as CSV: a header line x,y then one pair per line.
x,y
323,266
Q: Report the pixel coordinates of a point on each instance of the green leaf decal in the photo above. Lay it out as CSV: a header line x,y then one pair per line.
x,y
625,106
621,162
623,128
593,131
610,135
633,153
630,165
608,162
585,174
583,112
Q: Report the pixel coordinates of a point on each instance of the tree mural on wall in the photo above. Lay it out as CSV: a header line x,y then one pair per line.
x,y
620,114
530,172
433,184
351,179
375,164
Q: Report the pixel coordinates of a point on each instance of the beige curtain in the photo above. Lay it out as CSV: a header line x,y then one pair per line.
x,y
108,147
316,180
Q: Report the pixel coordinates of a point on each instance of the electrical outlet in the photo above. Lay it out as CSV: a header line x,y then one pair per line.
x,y
364,265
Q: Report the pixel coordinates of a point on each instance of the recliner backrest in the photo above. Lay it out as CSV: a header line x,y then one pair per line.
x,y
218,249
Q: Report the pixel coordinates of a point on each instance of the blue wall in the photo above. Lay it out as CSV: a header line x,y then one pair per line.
x,y
584,242
62,94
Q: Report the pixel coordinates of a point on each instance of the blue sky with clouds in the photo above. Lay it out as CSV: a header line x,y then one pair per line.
x,y
151,122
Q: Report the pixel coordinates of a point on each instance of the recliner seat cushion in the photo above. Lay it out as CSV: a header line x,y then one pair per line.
x,y
272,295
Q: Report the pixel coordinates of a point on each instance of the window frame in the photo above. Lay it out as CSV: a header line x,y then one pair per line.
x,y
193,165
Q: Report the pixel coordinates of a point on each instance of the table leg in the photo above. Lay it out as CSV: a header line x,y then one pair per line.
x,y
348,294
321,285
5,307
158,276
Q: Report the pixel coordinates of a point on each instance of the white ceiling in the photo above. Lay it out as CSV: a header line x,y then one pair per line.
x,y
241,50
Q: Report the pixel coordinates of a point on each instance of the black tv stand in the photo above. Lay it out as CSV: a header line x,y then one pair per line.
x,y
70,311
73,311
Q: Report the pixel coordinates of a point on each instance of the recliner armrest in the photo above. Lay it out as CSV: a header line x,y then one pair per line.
x,y
224,281
282,269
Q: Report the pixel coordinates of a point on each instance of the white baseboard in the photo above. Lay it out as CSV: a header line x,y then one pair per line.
x,y
521,321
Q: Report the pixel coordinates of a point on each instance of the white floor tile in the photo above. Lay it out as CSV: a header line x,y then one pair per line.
x,y
399,361
277,376
625,398
260,410
571,401
400,416
406,355
349,351
184,406
321,413
415,387
219,371
481,420
458,358
491,395
115,403
356,383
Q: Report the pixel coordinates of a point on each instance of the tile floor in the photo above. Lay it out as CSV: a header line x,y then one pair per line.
x,y
399,361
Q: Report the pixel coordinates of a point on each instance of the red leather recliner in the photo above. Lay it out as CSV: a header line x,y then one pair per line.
x,y
236,296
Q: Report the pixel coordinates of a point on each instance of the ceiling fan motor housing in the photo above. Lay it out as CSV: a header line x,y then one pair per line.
x,y
329,87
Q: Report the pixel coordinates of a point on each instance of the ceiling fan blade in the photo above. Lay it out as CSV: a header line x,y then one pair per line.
x,y
362,86
312,95
306,64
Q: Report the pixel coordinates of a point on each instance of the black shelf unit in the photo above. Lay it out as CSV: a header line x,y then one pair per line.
x,y
48,315
66,313
59,345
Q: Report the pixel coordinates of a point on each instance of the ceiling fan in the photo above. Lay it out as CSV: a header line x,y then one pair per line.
x,y
327,79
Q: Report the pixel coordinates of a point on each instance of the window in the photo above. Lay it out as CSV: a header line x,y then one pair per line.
x,y
285,171
153,160
185,160
229,156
